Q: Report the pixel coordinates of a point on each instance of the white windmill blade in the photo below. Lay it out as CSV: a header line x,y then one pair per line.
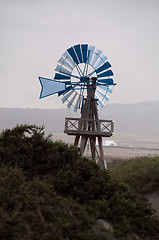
x,y
99,100
62,70
103,95
90,53
66,96
71,101
77,104
105,88
65,63
80,101
100,61
67,57
97,54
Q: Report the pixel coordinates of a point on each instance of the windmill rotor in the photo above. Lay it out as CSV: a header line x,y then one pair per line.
x,y
75,66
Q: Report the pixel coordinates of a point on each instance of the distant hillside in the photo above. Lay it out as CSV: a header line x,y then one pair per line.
x,y
141,118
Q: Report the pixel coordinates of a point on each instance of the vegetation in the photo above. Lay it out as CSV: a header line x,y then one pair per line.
x,y
141,174
48,190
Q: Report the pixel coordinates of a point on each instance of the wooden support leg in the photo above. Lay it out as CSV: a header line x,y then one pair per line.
x,y
92,144
76,140
103,162
83,144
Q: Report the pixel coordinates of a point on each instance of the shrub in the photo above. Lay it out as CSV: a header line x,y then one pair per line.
x,y
33,210
27,147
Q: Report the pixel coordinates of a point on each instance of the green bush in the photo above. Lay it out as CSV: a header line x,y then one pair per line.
x,y
27,147
33,210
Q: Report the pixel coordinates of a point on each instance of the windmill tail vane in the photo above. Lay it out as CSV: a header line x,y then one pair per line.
x,y
78,64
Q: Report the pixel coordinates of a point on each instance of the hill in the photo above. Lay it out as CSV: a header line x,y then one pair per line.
x,y
140,118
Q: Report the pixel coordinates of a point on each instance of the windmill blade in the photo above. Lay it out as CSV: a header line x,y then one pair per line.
x,y
65,97
50,87
100,101
65,63
73,55
108,81
101,60
84,48
67,57
77,49
103,95
90,53
82,105
62,70
103,67
107,73
77,104
105,88
96,56
67,89
71,101
59,76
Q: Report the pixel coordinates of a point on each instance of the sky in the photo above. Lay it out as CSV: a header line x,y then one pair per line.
x,y
35,33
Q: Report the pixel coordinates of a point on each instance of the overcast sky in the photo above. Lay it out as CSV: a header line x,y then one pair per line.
x,y
35,33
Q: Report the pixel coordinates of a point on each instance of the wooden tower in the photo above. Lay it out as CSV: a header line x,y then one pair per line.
x,y
89,127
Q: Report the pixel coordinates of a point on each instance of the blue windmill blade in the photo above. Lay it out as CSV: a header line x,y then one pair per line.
x,y
105,88
105,66
84,49
59,76
67,89
73,55
50,87
107,73
103,95
106,81
77,49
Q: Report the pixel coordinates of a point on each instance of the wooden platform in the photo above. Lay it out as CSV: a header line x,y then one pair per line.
x,y
103,128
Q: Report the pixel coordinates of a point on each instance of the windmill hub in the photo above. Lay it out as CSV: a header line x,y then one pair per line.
x,y
84,80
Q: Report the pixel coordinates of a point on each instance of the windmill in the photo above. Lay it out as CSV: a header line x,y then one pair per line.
x,y
83,79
